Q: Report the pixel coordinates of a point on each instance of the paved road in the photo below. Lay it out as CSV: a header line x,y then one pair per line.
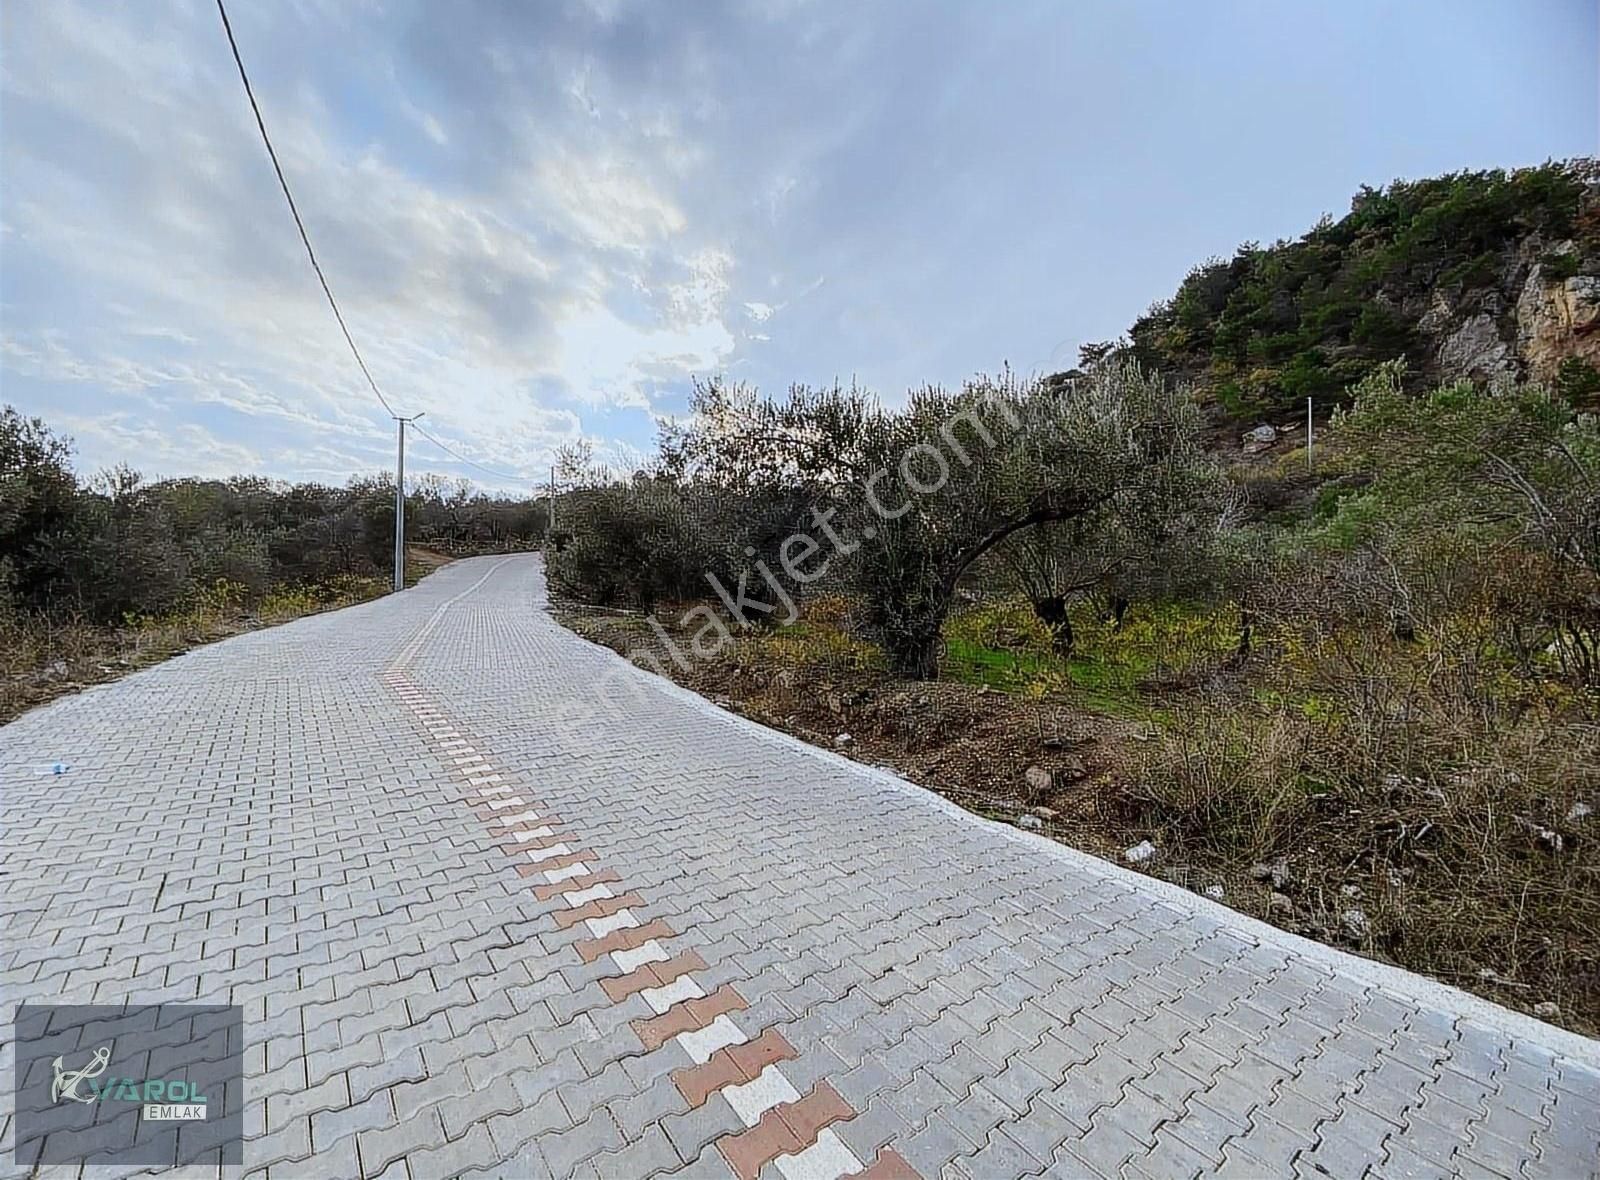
x,y
496,903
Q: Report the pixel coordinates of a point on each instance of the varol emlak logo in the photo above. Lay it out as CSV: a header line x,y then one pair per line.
x,y
164,1099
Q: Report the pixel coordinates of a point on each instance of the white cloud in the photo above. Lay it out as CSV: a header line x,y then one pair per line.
x,y
187,449
541,219
478,303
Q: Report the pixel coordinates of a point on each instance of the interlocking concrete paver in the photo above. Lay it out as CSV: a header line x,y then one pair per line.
x,y
496,903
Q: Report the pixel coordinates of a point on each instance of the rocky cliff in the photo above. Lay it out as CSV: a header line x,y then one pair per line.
x,y
1491,276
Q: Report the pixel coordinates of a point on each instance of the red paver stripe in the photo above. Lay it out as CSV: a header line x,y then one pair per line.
x,y
787,1128
598,908
508,843
688,1016
497,826
737,1063
590,949
750,1151
815,1111
582,856
573,884
620,987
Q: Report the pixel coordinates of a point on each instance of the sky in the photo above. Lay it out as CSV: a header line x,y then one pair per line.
x,y
544,221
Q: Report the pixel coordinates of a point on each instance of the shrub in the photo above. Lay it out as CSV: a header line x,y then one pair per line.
x,y
119,546
1579,382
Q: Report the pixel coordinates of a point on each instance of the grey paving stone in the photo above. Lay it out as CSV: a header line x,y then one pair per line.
x,y
692,1132
330,1126
474,1150
513,1131
565,1150
982,1003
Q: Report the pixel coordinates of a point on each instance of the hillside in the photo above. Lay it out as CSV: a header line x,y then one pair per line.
x,y
1353,697
1493,276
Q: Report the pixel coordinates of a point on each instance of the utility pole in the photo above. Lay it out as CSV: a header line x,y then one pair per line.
x,y
1309,465
400,504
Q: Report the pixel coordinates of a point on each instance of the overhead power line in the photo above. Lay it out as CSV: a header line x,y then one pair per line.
x,y
460,458
299,224
305,238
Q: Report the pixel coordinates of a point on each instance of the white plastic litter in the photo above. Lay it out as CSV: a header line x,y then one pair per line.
x,y
1140,852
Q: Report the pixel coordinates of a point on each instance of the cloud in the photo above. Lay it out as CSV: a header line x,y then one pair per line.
x,y
543,220
567,266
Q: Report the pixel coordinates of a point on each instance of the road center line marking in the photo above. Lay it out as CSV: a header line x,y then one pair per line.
x,y
680,989
621,920
701,1043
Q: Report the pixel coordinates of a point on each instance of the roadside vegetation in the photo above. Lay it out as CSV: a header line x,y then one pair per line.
x,y
1356,697
102,577
1353,692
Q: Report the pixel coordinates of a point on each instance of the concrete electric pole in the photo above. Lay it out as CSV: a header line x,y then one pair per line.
x,y
1310,465
400,505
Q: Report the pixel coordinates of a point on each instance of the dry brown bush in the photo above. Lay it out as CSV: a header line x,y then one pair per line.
x,y
1411,810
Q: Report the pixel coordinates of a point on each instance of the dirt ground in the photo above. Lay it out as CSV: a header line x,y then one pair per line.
x,y
1068,769
980,748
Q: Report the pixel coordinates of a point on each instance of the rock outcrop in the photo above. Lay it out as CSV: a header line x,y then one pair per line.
x,y
1557,319
1476,349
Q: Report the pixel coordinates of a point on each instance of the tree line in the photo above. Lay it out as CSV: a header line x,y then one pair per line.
x,y
113,546
1432,511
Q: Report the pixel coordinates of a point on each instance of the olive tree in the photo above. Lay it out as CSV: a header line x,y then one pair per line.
x,y
910,497
1161,540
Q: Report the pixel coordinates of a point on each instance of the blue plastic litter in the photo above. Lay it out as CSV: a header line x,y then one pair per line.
x,y
53,768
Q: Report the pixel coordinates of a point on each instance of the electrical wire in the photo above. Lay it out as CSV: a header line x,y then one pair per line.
x,y
305,238
294,209
460,458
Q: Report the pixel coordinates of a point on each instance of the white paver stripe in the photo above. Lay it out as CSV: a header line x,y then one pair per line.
x,y
479,779
498,804
580,896
503,789
566,872
750,1100
826,1159
680,989
527,817
602,926
469,760
538,854
632,960
526,834
701,1043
